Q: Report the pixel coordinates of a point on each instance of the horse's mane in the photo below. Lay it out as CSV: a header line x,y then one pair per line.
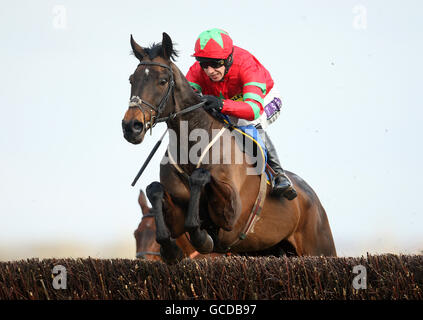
x,y
156,50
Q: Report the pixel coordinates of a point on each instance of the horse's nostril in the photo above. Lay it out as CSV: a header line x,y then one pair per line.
x,y
137,126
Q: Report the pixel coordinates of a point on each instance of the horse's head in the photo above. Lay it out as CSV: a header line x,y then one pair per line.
x,y
152,85
145,234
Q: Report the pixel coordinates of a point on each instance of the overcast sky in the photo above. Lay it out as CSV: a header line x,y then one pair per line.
x,y
350,74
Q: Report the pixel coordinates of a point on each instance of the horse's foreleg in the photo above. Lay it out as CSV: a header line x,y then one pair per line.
x,y
200,239
169,251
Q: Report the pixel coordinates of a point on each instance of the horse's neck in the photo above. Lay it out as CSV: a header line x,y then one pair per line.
x,y
184,94
184,98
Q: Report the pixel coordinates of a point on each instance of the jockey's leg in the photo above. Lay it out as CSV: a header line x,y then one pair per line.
x,y
282,185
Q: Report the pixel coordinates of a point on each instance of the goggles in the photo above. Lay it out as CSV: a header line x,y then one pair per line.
x,y
207,62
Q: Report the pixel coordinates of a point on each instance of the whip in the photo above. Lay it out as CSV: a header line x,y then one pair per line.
x,y
148,159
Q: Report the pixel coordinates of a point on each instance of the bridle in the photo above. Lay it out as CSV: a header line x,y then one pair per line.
x,y
137,102
142,254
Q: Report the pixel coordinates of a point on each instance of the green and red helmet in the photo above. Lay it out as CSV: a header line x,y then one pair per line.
x,y
214,43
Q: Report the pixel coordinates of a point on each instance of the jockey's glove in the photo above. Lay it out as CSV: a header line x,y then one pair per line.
x,y
212,103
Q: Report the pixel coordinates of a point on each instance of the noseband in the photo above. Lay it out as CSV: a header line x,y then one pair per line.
x,y
148,215
137,102
142,254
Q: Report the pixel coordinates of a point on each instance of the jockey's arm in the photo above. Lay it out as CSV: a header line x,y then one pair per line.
x,y
253,92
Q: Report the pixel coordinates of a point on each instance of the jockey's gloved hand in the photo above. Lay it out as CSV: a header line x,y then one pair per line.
x,y
212,103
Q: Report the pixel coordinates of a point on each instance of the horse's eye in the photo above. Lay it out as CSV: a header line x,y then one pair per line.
x,y
162,82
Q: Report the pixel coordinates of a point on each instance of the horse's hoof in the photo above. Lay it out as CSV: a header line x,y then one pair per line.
x,y
154,190
172,256
207,245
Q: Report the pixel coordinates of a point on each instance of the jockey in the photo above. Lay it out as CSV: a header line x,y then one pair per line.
x,y
236,84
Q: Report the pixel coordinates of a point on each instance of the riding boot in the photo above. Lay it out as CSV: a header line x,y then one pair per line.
x,y
282,185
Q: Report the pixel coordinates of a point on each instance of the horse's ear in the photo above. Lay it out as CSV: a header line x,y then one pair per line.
x,y
167,46
142,200
137,49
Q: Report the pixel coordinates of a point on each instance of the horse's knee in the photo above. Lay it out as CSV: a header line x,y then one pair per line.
x,y
154,190
199,177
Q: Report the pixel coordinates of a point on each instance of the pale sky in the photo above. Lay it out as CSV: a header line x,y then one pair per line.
x,y
350,74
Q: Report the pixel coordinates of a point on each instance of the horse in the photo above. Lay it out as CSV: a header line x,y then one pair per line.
x,y
145,234
145,237
221,205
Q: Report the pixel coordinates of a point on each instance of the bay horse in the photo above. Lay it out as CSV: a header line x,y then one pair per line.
x,y
145,237
145,234
211,201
